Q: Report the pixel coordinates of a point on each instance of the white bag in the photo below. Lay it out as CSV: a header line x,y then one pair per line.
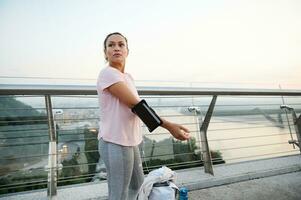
x,y
163,191
163,177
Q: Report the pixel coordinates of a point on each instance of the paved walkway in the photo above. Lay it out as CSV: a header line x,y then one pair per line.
x,y
281,187
194,179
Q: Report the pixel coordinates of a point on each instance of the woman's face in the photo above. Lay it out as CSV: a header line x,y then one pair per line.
x,y
116,49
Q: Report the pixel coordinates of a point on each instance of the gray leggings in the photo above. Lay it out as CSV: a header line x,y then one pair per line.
x,y
124,170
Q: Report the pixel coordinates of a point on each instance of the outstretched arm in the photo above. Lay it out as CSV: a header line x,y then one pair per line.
x,y
178,131
125,95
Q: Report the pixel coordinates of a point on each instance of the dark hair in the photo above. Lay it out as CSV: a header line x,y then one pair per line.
x,y
115,33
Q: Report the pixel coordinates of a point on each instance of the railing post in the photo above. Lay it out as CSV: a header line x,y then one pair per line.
x,y
52,155
203,126
203,131
297,124
197,111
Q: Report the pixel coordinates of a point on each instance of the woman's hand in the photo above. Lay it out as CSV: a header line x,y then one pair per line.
x,y
178,131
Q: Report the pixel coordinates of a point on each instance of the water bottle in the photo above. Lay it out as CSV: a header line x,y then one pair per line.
x,y
183,193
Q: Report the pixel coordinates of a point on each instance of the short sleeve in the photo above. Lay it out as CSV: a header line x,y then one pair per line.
x,y
108,77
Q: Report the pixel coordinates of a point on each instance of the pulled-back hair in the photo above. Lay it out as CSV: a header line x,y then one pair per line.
x,y
115,33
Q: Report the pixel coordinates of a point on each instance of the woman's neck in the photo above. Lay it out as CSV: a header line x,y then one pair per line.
x,y
118,66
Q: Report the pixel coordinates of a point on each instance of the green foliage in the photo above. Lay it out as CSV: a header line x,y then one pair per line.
x,y
71,172
14,112
91,144
21,125
14,108
185,156
22,182
216,154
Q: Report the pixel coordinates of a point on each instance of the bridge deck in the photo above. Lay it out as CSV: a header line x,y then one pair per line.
x,y
242,174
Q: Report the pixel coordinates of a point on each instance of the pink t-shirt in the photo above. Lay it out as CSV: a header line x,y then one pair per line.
x,y
117,122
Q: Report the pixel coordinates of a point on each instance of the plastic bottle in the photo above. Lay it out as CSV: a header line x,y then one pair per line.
x,y
183,193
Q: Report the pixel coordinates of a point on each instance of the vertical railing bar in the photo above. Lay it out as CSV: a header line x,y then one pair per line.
x,y
203,131
297,124
198,119
52,158
287,119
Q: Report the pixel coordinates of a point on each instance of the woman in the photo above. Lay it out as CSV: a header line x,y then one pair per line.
x,y
119,134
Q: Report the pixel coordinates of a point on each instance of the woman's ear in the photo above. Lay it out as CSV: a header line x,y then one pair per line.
x,y
105,55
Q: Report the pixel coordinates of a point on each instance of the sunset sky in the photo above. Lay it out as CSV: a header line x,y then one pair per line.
x,y
231,42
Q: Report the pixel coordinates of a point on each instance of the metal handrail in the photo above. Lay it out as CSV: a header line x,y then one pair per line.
x,y
18,89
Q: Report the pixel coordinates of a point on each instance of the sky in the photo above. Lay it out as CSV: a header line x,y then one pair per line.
x,y
253,43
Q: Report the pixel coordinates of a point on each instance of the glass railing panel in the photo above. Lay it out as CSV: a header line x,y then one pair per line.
x,y
247,128
77,122
242,128
23,143
159,146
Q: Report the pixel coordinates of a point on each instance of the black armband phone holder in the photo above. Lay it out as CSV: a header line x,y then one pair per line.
x,y
147,115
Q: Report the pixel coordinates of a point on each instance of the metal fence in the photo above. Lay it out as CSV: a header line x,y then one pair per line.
x,y
48,134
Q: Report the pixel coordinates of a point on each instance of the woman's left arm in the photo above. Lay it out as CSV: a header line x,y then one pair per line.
x,y
121,91
124,94
177,130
